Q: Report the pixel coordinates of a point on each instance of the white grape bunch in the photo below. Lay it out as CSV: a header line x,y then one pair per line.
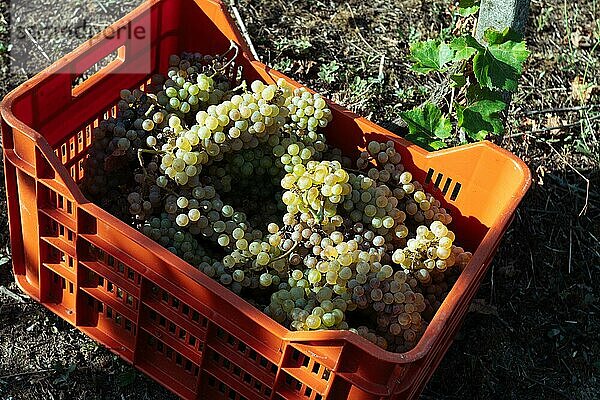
x,y
239,181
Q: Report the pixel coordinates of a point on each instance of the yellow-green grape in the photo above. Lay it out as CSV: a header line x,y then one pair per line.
x,y
439,229
182,202
266,279
148,125
314,276
182,220
262,258
328,319
313,321
223,240
255,248
194,214
398,256
345,273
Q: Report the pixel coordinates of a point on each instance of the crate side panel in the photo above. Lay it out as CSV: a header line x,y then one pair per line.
x,y
26,186
15,223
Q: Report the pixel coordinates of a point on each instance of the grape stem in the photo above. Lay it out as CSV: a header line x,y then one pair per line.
x,y
321,215
284,255
232,46
141,160
149,110
242,86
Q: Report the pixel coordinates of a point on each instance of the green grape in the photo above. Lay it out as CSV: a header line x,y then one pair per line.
x,y
266,279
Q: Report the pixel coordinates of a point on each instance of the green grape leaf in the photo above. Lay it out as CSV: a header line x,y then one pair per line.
x,y
481,118
476,93
430,56
474,43
493,36
427,125
500,63
468,7
462,48
426,142
438,144
458,80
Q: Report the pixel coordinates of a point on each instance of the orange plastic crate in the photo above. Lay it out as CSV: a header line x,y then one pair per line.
x,y
161,314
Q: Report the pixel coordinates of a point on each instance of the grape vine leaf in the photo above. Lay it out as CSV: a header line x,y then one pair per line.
x,y
427,125
493,36
463,49
458,80
500,63
468,7
481,118
476,93
430,56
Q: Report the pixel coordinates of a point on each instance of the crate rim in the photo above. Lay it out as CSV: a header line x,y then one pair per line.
x,y
478,264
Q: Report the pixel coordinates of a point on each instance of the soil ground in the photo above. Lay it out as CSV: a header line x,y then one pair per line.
x,y
534,329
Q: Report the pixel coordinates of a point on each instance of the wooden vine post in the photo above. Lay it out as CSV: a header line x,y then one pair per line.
x,y
499,14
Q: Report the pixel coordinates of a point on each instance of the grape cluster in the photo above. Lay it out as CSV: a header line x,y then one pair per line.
x,y
240,182
315,190
308,112
164,231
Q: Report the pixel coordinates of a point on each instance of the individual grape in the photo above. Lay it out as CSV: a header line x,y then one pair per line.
x,y
182,220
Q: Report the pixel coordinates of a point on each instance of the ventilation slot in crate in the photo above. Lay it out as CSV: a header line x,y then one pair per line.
x,y
58,261
97,317
105,290
59,202
308,370
181,338
61,290
226,343
69,150
442,184
122,281
53,205
124,271
291,388
52,229
175,309
213,388
221,366
58,292
156,357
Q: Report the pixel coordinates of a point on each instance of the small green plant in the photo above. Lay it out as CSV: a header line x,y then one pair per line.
x,y
284,65
63,373
541,20
298,45
479,73
362,90
328,72
126,377
468,7
404,94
